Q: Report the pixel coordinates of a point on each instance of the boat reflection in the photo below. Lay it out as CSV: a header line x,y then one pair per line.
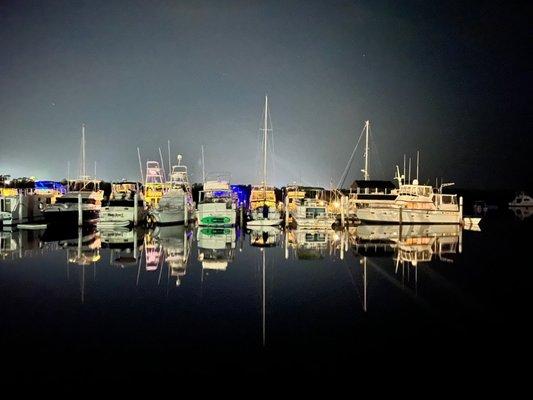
x,y
22,243
125,246
408,243
309,244
522,212
216,247
264,236
175,242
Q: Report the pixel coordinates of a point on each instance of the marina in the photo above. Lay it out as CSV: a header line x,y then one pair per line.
x,y
305,194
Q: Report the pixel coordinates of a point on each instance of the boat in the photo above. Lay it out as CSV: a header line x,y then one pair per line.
x,y
82,203
125,206
522,200
264,210
217,204
83,200
415,204
176,205
23,205
313,214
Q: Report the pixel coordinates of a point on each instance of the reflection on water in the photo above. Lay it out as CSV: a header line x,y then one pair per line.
x,y
169,247
247,287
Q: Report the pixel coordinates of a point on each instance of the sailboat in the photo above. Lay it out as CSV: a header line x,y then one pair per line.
x,y
263,207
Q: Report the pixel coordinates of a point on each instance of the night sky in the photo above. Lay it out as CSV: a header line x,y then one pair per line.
x,y
450,79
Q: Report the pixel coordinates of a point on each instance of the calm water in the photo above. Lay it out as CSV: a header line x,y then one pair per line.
x,y
197,302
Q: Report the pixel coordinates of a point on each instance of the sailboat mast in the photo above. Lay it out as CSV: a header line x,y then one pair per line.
x,y
367,123
265,141
83,171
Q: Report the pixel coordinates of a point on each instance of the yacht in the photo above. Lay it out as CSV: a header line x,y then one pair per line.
x,y
216,204
415,204
176,205
522,200
264,209
125,206
313,214
81,203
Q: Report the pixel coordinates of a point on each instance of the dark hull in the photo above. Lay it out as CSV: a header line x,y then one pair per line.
x,y
70,217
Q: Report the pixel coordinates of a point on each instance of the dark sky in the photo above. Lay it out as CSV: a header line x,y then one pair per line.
x,y
450,79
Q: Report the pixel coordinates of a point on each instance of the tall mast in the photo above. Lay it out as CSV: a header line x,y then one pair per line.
x,y
169,163
83,171
367,124
265,141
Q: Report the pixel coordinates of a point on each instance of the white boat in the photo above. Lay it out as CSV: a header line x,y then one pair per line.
x,y
125,206
313,214
23,205
522,200
415,204
176,205
217,204
264,210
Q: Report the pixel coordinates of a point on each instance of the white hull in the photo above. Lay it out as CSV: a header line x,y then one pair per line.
x,y
314,223
169,217
119,216
391,215
207,217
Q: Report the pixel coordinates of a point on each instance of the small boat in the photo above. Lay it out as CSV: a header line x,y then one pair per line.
x,y
264,210
125,206
522,200
313,214
217,204
176,205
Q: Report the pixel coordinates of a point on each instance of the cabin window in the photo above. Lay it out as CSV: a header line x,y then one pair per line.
x,y
314,212
1,204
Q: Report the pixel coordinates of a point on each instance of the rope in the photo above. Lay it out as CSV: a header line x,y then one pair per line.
x,y
346,170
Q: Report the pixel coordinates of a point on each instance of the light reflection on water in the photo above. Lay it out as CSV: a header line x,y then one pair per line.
x,y
360,289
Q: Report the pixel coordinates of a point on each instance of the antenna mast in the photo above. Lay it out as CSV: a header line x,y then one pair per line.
x,y
367,125
417,162
82,161
265,138
169,165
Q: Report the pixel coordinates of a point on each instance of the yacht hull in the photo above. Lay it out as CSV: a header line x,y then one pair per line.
x,y
70,216
217,218
408,216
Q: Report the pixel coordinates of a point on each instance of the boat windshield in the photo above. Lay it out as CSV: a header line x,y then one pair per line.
x,y
84,186
415,190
